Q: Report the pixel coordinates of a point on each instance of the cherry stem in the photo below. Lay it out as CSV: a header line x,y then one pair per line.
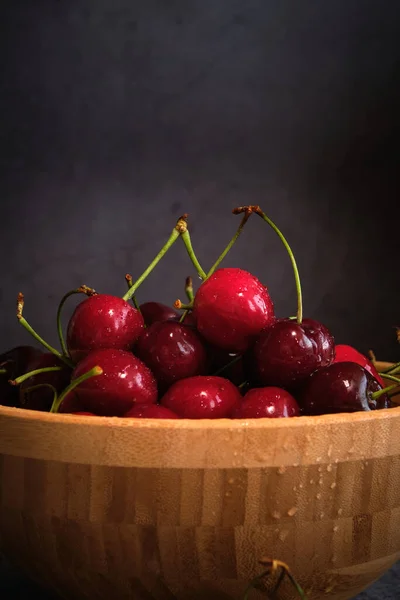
x,y
248,210
179,228
189,289
83,289
25,324
39,385
229,364
129,281
26,376
184,315
391,378
393,369
188,245
242,384
387,389
273,566
292,258
180,305
58,401
3,371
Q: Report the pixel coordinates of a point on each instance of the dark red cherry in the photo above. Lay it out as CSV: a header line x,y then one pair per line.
x,y
344,353
102,321
172,351
231,308
152,312
14,363
71,403
270,402
287,353
125,381
202,397
150,411
41,398
341,387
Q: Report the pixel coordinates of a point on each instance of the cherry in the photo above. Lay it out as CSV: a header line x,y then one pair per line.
x,y
82,412
342,387
344,353
125,381
150,411
268,402
231,308
71,403
153,312
35,393
102,321
172,351
288,352
226,364
202,397
14,363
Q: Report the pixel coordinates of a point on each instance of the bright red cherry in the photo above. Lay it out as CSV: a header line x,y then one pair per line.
x,y
152,312
270,402
102,321
150,411
287,353
231,308
172,351
344,353
41,398
125,381
342,387
202,397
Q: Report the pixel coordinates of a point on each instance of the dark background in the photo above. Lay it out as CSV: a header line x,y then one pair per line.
x,y
117,116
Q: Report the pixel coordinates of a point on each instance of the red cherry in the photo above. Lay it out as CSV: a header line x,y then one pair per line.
x,y
287,353
344,353
341,387
42,397
172,351
231,308
152,312
202,397
102,321
71,403
82,412
125,381
150,411
268,402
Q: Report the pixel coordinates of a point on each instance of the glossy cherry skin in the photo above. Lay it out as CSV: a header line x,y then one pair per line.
x,y
202,397
344,353
270,402
150,411
341,387
42,398
15,362
125,381
172,351
287,353
102,321
231,308
152,312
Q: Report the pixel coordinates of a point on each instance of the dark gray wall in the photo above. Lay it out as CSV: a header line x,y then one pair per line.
x,y
117,116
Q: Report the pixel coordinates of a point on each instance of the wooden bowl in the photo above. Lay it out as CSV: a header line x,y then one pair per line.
x,y
96,507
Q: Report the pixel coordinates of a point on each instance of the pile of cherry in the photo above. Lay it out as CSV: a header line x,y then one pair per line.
x,y
225,354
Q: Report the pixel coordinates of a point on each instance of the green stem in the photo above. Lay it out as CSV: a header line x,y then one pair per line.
x,y
83,289
26,376
296,586
176,232
393,369
3,371
189,289
183,316
392,378
58,401
129,281
293,261
188,245
278,583
229,364
35,387
385,390
254,582
221,257
25,324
